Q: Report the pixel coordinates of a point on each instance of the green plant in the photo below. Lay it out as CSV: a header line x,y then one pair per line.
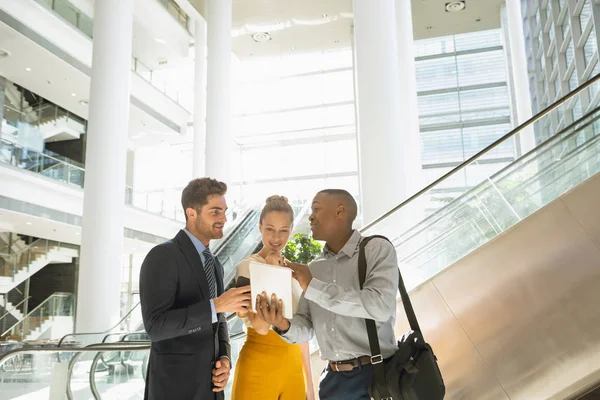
x,y
302,249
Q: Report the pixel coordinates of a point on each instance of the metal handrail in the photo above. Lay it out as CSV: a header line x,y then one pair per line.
x,y
31,246
15,307
53,295
108,331
470,160
118,346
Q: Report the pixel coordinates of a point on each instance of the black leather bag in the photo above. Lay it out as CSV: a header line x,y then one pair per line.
x,y
413,372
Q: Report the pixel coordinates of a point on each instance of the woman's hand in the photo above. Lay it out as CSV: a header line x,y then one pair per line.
x,y
274,258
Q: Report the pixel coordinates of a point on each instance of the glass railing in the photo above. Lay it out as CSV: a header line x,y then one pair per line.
x,y
55,306
21,261
75,17
42,163
429,239
72,174
67,11
102,371
180,16
154,202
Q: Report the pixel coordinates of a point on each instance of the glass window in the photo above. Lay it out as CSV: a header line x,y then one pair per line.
x,y
586,13
478,137
577,112
557,86
565,26
569,54
439,108
434,46
480,68
573,82
442,146
483,39
596,86
439,73
554,58
589,48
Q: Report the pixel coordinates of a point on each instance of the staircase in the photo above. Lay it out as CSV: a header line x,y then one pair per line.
x,y
16,268
14,311
16,243
15,97
52,319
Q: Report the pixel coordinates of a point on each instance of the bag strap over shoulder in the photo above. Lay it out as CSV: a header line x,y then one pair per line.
x,y
376,356
362,274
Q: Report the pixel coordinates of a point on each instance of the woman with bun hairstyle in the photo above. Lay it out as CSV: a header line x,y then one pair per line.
x,y
268,368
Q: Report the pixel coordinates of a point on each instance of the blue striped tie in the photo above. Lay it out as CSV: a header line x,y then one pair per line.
x,y
209,269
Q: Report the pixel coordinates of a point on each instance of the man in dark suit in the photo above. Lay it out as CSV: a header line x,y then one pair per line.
x,y
183,303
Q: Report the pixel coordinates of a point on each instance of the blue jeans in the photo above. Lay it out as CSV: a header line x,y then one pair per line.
x,y
350,385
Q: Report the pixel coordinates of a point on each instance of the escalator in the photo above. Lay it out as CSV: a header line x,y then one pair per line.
x,y
505,278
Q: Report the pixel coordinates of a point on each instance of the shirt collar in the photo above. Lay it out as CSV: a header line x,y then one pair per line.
x,y
200,247
350,246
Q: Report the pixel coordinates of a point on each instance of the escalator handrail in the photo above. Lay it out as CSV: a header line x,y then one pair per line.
x,y
435,217
501,140
108,331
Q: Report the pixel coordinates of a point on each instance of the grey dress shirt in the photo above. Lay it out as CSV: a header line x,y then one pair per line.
x,y
334,307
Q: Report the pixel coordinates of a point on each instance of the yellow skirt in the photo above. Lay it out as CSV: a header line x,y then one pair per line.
x,y
268,368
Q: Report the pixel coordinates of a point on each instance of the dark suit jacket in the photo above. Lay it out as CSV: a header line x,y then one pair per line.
x,y
174,298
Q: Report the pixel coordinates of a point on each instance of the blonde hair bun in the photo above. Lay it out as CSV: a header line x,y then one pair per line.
x,y
276,198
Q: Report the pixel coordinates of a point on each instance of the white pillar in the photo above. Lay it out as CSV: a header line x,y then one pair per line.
x,y
98,295
520,78
198,156
218,89
380,141
408,111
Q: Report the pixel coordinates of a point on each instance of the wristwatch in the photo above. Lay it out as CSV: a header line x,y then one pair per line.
x,y
280,332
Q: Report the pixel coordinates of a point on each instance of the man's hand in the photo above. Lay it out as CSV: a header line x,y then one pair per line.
x,y
273,314
220,374
301,273
234,300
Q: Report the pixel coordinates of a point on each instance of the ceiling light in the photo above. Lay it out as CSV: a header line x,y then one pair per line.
x,y
324,15
428,27
77,233
455,6
261,37
4,53
83,102
27,223
161,41
73,94
293,48
28,69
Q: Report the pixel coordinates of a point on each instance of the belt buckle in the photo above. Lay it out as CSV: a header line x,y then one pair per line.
x,y
378,359
334,366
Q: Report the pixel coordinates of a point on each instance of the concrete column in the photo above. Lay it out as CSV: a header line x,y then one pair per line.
x,y
408,110
380,139
218,90
98,302
199,156
515,50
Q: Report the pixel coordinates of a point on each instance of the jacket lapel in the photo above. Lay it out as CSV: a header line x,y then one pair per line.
x,y
219,276
194,261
